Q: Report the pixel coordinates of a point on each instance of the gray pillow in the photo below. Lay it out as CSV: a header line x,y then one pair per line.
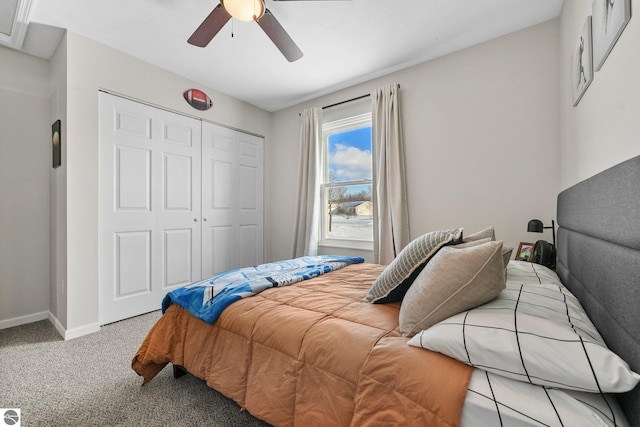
x,y
394,281
487,233
456,279
483,236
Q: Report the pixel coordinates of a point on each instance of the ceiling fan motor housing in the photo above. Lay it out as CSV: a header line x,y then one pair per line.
x,y
244,10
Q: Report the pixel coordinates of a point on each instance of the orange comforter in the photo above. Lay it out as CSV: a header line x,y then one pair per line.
x,y
312,354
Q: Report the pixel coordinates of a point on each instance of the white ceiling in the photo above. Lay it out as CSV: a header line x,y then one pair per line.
x,y
344,42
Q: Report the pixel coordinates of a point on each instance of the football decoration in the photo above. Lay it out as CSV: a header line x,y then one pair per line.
x,y
198,99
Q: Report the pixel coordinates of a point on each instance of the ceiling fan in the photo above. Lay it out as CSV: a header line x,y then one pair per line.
x,y
246,10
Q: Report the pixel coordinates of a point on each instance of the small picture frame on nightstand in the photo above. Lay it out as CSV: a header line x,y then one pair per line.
x,y
525,251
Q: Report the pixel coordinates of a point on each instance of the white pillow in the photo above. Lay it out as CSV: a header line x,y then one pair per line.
x,y
524,272
500,401
533,333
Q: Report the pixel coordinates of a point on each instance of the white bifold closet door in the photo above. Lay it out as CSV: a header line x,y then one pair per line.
x,y
155,177
232,199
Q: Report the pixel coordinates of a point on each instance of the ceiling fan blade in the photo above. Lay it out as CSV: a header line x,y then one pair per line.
x,y
279,36
210,27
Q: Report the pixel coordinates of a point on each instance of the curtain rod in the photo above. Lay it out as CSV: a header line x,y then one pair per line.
x,y
348,100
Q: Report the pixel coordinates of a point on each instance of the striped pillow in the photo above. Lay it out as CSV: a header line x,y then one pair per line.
x,y
538,334
395,280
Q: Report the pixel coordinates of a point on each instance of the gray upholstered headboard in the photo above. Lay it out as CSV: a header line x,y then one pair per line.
x,y
599,260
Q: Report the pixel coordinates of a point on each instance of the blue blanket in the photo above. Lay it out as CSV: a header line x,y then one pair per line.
x,y
207,298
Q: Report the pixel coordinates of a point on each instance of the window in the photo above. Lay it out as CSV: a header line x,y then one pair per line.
x,y
347,213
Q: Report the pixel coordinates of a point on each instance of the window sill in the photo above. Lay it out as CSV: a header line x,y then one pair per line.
x,y
347,244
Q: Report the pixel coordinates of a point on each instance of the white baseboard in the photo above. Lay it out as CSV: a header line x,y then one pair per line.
x,y
23,320
68,334
56,324
82,330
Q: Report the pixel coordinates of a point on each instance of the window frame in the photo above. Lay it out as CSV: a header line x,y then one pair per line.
x,y
357,121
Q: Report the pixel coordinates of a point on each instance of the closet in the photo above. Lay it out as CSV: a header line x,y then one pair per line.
x,y
180,199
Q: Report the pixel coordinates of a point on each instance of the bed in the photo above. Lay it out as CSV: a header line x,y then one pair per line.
x,y
347,348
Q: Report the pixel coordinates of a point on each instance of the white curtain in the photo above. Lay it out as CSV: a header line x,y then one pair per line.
x,y
309,179
391,218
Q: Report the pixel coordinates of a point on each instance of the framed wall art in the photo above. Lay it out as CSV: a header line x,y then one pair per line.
x,y
581,63
609,19
56,143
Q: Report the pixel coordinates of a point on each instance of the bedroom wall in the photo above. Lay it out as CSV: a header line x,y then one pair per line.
x,y
48,217
603,130
25,162
481,131
92,66
58,190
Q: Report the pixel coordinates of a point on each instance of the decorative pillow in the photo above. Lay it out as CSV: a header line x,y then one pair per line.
x,y
468,244
489,233
456,279
501,401
394,281
538,334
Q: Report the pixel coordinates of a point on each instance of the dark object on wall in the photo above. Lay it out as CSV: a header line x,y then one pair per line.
x,y
198,99
544,253
56,143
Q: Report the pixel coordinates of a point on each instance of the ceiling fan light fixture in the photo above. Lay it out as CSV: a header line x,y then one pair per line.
x,y
244,10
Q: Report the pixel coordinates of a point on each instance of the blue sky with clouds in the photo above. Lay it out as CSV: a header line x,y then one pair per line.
x,y
350,155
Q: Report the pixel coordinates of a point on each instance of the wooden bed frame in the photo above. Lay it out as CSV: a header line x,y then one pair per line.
x,y
599,260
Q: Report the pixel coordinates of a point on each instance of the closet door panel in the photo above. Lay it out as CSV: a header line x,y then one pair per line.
x,y
133,263
231,199
178,215
177,183
132,179
149,206
249,243
179,200
178,259
130,124
250,203
217,245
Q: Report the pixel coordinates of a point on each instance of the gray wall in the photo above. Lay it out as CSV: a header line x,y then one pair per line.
x,y
25,162
604,129
481,131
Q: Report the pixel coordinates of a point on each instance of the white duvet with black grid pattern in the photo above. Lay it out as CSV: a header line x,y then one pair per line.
x,y
533,333
494,400
540,359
